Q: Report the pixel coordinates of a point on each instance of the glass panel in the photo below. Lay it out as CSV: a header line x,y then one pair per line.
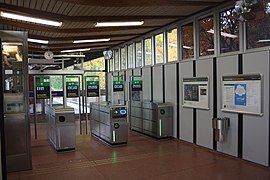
x,y
57,85
116,60
123,58
258,34
148,51
111,65
130,56
206,33
172,45
229,31
159,48
187,41
138,54
95,64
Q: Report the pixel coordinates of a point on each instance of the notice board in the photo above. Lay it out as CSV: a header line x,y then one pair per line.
x,y
242,94
196,92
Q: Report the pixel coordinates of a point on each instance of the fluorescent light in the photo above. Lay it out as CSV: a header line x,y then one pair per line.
x,y
223,34
263,40
109,24
30,19
92,40
75,50
38,41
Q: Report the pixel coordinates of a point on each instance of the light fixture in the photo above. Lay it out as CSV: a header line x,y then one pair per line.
x,y
75,50
37,41
30,19
127,23
263,40
223,34
92,40
187,47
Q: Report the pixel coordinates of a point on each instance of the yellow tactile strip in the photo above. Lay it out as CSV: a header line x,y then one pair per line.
x,y
86,164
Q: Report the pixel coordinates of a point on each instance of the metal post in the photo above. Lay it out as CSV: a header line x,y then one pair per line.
x,y
35,109
79,91
65,91
86,113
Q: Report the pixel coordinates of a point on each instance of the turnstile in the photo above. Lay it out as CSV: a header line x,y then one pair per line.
x,y
109,122
152,118
61,128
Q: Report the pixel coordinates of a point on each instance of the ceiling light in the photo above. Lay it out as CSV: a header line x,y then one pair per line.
x,y
109,24
38,41
187,47
223,34
263,40
92,40
30,19
75,50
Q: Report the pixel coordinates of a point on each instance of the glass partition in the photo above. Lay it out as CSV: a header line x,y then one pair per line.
x,y
159,48
206,36
138,54
130,56
187,41
172,45
116,60
123,58
148,51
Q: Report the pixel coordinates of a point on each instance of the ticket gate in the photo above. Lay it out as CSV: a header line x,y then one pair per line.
x,y
109,122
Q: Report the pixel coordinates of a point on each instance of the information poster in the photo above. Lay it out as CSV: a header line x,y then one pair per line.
x,y
118,86
92,88
195,92
242,93
42,88
72,86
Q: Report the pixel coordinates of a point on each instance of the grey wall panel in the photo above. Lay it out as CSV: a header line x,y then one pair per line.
x,y
157,84
256,128
227,66
110,86
170,92
146,73
186,114
137,71
128,74
204,117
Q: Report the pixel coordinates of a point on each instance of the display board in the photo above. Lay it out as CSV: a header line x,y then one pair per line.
x,y
72,86
42,86
136,85
196,92
92,86
118,86
242,94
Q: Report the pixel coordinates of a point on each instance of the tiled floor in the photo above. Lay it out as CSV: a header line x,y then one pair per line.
x,y
142,158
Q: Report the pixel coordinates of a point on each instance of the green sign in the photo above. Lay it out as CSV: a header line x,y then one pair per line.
x,y
42,90
92,88
118,86
72,89
136,85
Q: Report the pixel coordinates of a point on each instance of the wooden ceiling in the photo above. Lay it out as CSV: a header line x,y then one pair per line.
x,y
79,17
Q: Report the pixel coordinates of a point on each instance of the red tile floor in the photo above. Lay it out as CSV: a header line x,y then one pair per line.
x,y
142,158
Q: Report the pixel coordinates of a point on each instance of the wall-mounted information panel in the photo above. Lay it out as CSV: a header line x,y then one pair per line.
x,y
72,86
92,86
42,87
242,94
196,92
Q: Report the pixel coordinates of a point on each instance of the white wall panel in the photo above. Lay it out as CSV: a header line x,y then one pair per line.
x,y
256,128
146,73
157,84
170,92
186,114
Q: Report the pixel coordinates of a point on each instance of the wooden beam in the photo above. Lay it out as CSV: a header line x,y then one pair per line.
x,y
72,30
142,3
60,17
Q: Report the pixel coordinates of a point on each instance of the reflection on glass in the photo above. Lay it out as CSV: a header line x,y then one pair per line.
x,y
229,31
138,54
187,41
206,34
159,48
148,51
258,31
123,58
116,60
172,45
130,56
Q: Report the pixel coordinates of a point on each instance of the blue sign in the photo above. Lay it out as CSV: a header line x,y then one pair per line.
x,y
240,94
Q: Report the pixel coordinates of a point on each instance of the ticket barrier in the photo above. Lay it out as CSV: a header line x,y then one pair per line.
x,y
109,122
152,118
61,127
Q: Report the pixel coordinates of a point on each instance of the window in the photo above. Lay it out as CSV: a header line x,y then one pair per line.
x,y
148,51
96,64
138,54
159,48
116,60
130,56
172,45
206,33
258,30
123,58
187,41
111,65
229,31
